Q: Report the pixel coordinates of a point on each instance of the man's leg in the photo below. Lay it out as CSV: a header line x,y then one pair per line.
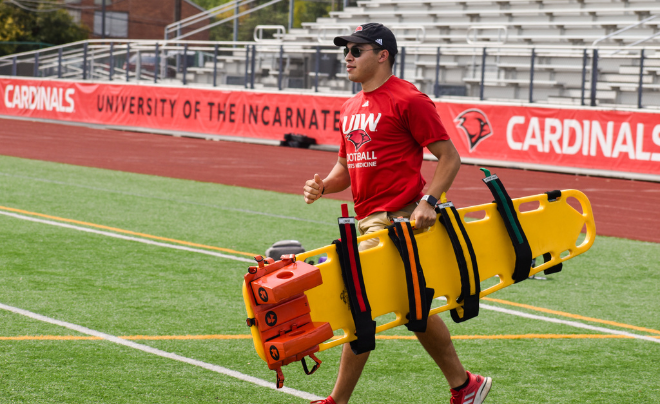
x,y
350,369
351,365
437,342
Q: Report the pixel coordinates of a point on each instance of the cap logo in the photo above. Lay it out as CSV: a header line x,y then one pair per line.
x,y
358,29
379,42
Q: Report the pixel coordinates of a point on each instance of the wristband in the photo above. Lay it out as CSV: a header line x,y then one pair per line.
x,y
430,199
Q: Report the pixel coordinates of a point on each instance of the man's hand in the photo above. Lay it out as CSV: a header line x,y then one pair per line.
x,y
313,189
423,215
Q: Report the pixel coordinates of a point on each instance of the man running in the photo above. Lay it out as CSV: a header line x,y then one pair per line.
x,y
385,129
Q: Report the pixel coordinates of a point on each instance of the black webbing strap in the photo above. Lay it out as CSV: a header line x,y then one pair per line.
x,y
419,296
351,271
518,239
466,260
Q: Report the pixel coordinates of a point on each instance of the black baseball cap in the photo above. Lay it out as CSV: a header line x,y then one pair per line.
x,y
372,32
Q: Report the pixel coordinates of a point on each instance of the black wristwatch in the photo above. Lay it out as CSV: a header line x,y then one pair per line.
x,y
432,200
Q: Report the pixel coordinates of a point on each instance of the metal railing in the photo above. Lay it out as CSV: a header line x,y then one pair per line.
x,y
177,27
624,29
541,74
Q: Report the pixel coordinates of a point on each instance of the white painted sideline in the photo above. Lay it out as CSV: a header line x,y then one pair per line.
x,y
230,209
164,354
567,322
564,322
123,237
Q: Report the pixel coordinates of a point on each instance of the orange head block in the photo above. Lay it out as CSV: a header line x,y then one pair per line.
x,y
286,282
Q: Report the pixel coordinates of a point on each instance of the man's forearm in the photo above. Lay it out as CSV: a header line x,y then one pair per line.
x,y
449,162
338,179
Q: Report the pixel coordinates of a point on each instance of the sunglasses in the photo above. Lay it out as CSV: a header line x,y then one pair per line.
x,y
357,52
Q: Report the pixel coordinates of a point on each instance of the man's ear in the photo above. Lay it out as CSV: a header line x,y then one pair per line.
x,y
384,55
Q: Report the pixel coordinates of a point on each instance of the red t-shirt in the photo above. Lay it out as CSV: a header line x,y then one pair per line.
x,y
384,135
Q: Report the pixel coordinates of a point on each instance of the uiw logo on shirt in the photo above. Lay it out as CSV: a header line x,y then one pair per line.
x,y
360,121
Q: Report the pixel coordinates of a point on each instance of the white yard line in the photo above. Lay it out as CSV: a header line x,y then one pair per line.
x,y
232,257
123,237
208,205
164,354
567,322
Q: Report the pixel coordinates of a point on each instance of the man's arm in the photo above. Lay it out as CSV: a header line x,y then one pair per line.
x,y
448,164
337,181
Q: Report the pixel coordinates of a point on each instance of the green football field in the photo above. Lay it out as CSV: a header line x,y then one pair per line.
x,y
89,255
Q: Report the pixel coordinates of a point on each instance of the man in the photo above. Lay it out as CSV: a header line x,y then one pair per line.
x,y
385,128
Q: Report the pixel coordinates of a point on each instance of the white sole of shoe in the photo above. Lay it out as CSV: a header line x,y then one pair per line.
x,y
483,391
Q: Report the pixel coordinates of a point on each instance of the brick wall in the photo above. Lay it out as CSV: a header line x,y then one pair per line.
x,y
146,18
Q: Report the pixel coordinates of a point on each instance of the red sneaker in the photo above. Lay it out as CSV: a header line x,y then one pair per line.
x,y
328,400
474,393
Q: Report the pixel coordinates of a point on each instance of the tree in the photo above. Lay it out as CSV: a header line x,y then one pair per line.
x,y
42,26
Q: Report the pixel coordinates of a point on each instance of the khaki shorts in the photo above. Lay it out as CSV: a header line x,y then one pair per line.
x,y
378,221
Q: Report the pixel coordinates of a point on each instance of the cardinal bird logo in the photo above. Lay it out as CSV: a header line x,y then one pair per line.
x,y
358,137
476,126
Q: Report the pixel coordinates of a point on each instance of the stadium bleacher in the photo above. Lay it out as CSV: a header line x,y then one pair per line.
x,y
475,49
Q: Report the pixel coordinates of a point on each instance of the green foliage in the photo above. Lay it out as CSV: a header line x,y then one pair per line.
x,y
277,14
19,25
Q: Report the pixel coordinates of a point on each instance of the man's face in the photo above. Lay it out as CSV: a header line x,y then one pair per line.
x,y
361,68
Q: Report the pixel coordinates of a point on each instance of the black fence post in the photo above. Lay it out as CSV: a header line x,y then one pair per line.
x,y
156,64
436,87
279,73
185,64
531,77
483,74
584,75
641,77
215,66
85,61
36,65
403,62
112,60
594,77
128,61
254,54
59,63
317,66
247,64
14,63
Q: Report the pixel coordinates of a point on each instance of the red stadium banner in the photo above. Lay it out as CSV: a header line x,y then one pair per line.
x,y
586,138
211,111
581,138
